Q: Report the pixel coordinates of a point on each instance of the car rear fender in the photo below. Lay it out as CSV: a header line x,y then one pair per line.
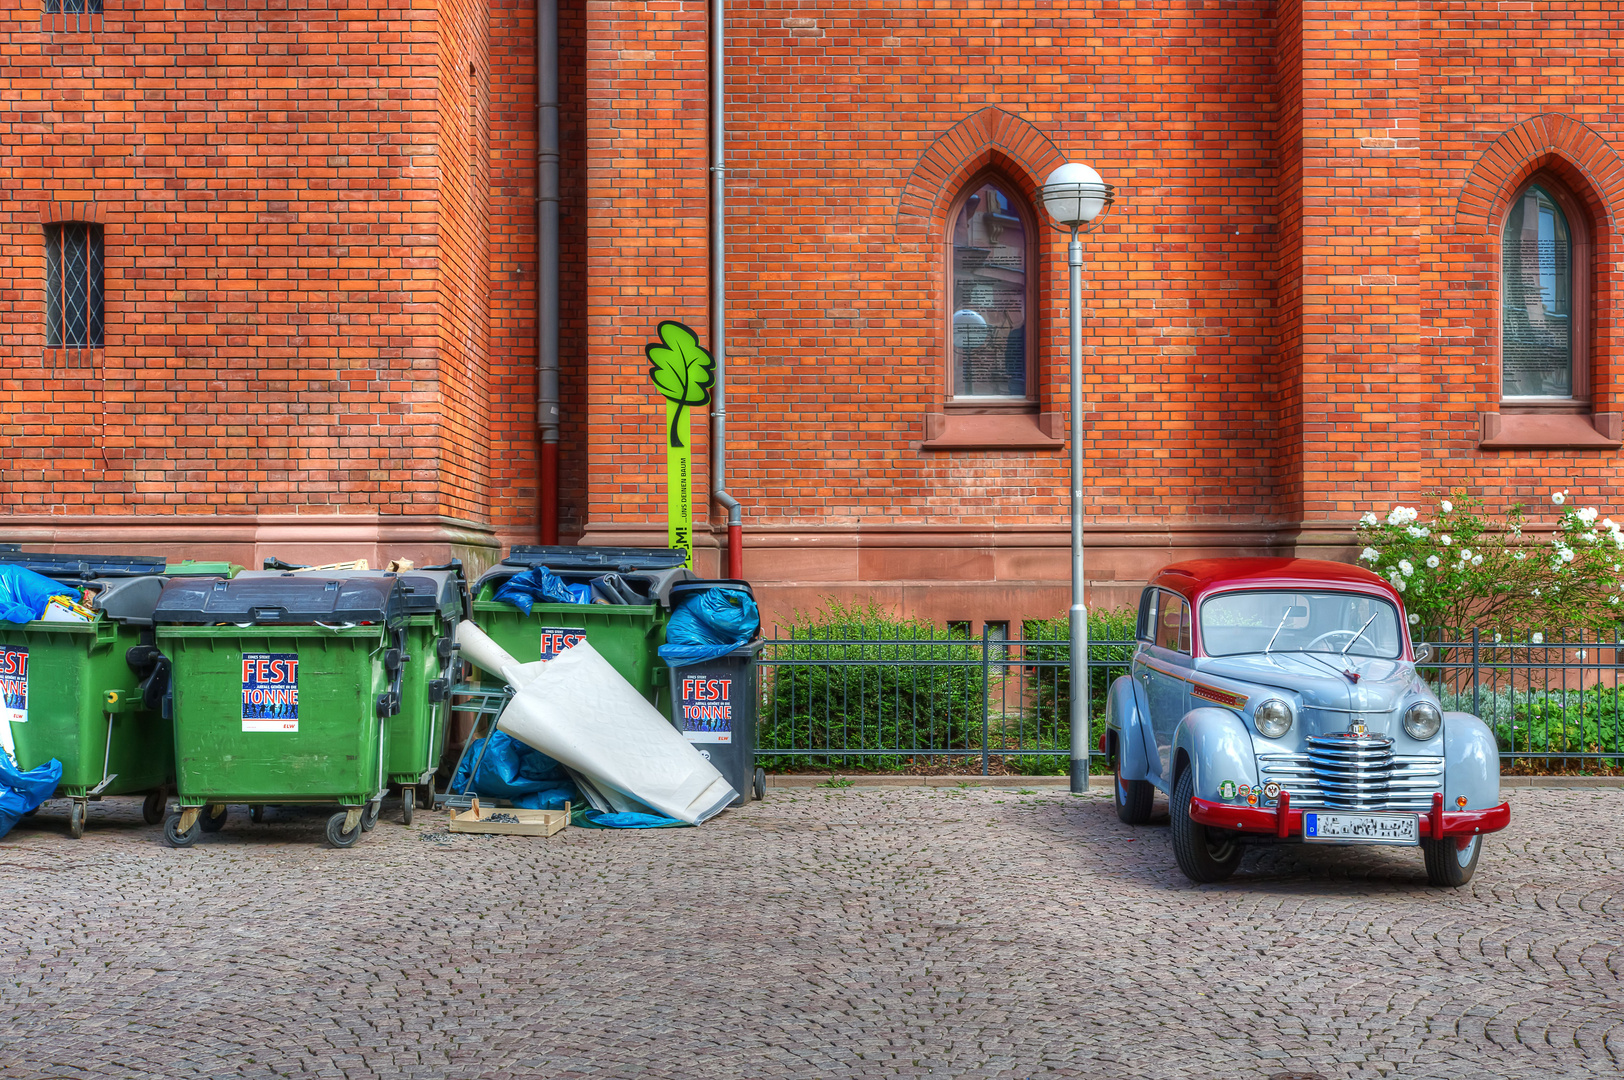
x,y
1215,743
1471,763
1127,718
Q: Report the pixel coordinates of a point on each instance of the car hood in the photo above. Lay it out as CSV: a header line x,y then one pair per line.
x,y
1323,679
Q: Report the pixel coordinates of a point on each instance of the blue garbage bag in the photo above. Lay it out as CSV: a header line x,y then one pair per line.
x,y
539,583
588,818
21,792
709,625
24,594
513,771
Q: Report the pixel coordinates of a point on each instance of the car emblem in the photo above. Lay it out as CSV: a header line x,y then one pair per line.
x,y
1271,790
1359,729
1226,790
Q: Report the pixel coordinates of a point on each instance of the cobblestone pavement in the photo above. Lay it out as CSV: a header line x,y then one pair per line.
x,y
852,933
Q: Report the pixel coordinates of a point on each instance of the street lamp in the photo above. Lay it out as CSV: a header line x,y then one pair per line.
x,y
1075,196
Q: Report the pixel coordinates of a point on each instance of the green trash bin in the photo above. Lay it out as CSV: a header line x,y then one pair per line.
x,y
626,624
436,600
202,568
281,691
87,693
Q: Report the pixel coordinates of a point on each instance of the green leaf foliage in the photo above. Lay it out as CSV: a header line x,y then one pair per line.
x,y
681,369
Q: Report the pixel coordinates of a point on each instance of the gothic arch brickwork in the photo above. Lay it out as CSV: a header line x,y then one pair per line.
x,y
1542,142
990,136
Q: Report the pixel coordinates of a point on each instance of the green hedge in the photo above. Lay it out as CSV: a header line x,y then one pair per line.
x,y
1110,637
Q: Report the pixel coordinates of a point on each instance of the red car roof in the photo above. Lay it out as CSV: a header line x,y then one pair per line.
x,y
1199,578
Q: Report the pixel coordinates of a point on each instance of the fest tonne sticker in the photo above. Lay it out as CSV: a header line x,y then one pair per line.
x,y
13,684
707,709
555,639
270,691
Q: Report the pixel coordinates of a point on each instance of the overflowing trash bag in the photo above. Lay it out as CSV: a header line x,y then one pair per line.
x,y
22,792
539,583
511,770
709,625
24,595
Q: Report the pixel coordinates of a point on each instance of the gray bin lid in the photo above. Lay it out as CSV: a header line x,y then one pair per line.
x,y
282,600
85,567
427,591
603,560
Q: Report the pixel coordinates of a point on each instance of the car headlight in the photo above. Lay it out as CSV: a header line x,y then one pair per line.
x,y
1273,718
1421,720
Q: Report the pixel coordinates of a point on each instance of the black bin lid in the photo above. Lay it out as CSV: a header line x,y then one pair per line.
x,y
603,560
431,591
85,567
285,600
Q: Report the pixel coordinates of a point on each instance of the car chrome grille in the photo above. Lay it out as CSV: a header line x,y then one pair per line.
x,y
1345,771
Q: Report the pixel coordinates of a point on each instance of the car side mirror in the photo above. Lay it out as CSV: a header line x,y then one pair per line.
x,y
1423,652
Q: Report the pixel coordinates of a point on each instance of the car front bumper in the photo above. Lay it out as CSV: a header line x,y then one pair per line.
x,y
1284,822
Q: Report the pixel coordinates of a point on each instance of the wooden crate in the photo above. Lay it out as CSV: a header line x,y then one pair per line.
x,y
530,823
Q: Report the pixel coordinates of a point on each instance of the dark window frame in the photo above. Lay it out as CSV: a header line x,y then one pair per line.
x,y
1033,320
1579,239
67,281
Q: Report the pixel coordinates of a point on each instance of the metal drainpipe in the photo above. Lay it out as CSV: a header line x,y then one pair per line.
x,y
547,193
718,288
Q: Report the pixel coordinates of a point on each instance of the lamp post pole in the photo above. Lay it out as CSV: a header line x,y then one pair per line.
x,y
1079,612
1075,197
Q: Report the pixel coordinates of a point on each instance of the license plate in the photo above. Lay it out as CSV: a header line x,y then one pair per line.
x,y
1362,828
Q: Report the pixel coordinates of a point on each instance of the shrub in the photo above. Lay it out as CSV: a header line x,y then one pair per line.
x,y
868,680
1110,638
1459,569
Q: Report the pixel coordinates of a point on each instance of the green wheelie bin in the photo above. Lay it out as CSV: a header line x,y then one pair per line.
x,y
87,693
631,594
436,600
281,692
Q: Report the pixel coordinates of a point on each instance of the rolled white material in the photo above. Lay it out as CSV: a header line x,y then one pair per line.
x,y
479,650
578,710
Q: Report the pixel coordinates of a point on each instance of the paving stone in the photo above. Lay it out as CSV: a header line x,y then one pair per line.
x,y
923,932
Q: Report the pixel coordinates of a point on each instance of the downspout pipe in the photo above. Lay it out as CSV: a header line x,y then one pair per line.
x,y
547,316
718,288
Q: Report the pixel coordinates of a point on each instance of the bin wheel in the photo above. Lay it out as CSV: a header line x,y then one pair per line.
x,y
153,806
428,794
408,797
76,819
369,816
336,835
177,838
210,821
256,813
760,784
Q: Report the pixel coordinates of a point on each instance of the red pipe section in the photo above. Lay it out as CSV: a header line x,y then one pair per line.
x,y
549,493
735,552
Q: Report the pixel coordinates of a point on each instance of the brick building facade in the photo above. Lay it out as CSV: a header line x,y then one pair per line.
x,y
318,240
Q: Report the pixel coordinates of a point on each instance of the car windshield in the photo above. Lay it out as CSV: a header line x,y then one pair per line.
x,y
1297,621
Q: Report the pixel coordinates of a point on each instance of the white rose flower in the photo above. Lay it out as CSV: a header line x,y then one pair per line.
x,y
1559,497
1414,618
1370,554
1538,639
1405,567
1520,556
1497,639
1446,540
1416,531
1446,506
1401,515
1581,654
1566,554
1586,515
1398,584
1535,594
1590,537
1368,518
1432,562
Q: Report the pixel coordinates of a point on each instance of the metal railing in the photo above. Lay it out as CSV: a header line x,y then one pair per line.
x,y
886,703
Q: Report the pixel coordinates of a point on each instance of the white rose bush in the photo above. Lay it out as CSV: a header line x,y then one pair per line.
x,y
1456,569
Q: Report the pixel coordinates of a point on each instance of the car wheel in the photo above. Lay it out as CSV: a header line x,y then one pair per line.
x,y
1449,865
1133,797
1202,856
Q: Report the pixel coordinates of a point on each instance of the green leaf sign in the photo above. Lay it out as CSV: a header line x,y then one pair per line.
x,y
682,370
683,373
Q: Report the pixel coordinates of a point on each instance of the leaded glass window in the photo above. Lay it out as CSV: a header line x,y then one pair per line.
x,y
991,242
1537,316
73,275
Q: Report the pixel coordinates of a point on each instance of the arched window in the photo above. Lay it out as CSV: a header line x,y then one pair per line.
x,y
991,238
1544,298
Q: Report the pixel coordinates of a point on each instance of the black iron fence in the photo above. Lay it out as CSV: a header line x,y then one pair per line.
x,y
888,703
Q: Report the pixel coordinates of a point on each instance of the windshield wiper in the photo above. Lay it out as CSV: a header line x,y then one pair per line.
x,y
1359,635
1277,630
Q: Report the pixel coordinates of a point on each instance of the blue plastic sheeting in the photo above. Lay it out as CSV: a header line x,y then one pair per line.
x,y
588,818
24,594
21,792
710,625
511,770
539,583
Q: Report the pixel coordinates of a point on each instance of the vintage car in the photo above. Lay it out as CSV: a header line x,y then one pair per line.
x,y
1276,700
